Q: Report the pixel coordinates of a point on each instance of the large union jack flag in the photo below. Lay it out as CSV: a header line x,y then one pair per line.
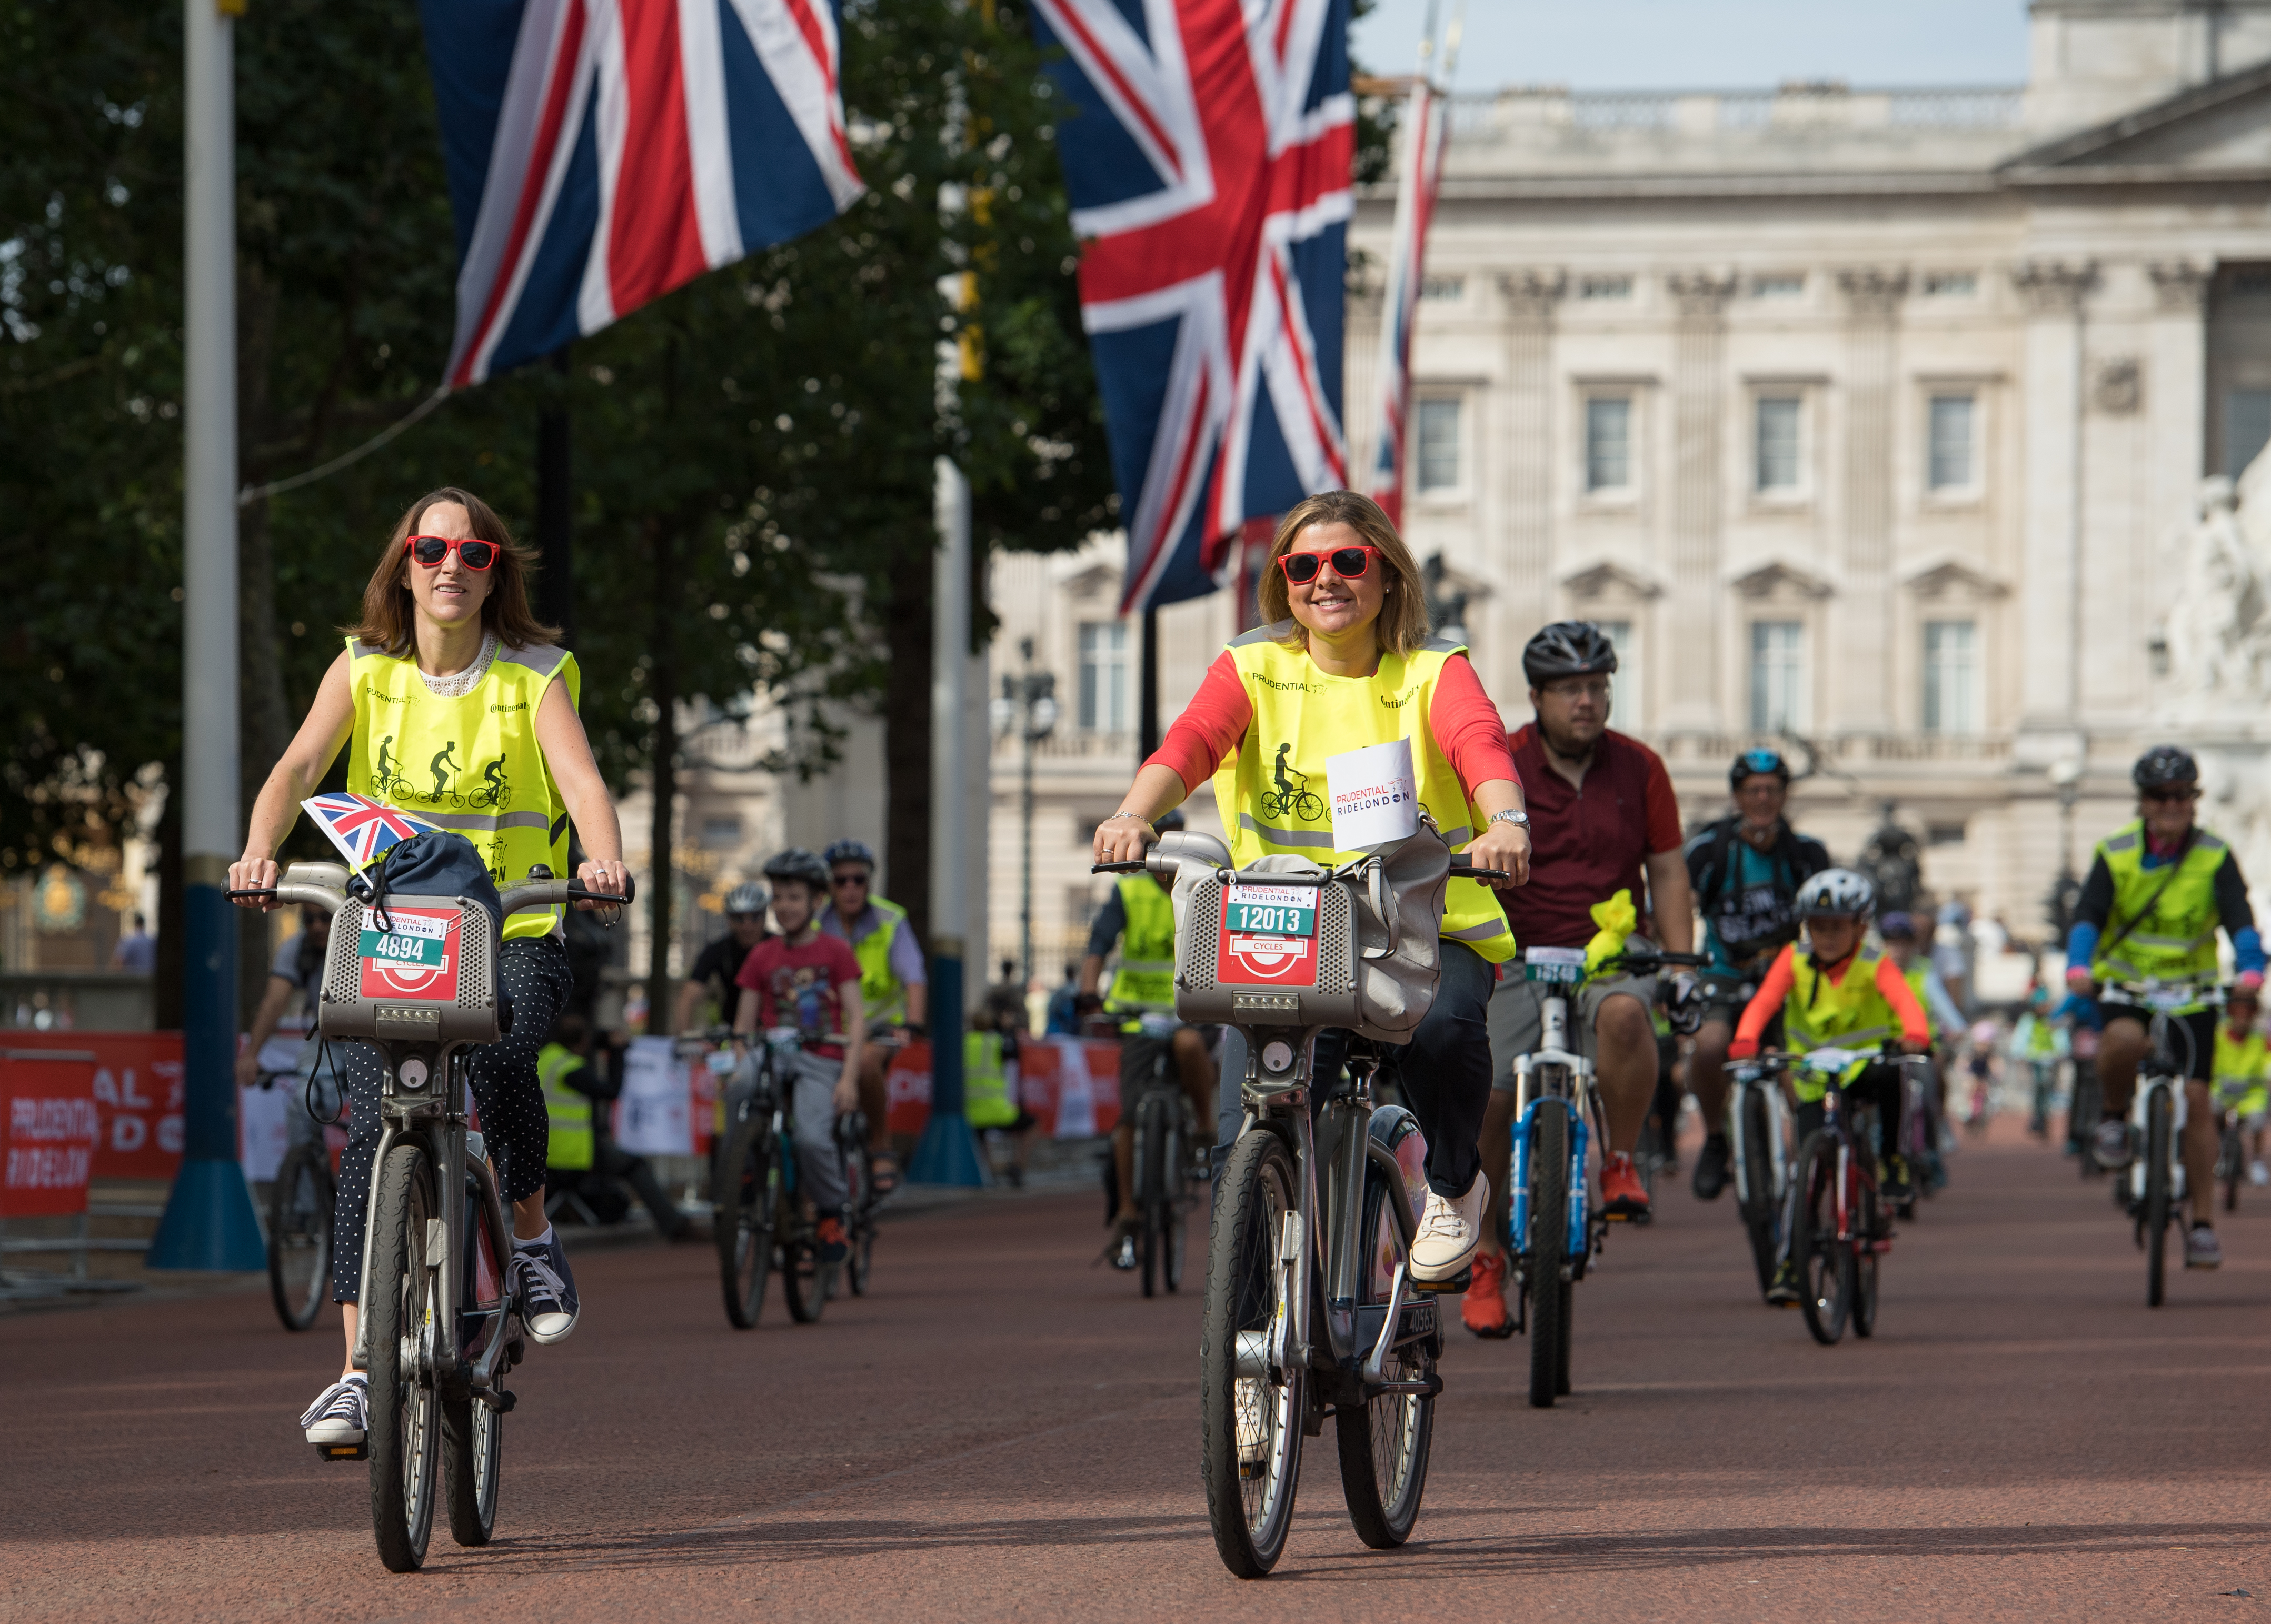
x,y
602,152
1209,160
362,828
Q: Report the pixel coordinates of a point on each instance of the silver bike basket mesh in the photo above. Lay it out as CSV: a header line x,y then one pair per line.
x,y
1202,997
463,1009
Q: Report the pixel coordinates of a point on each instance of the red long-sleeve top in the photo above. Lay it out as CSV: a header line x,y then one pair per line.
x,y
1466,726
1775,988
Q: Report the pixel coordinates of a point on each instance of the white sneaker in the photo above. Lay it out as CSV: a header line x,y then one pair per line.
x,y
2258,1175
1449,1232
341,1413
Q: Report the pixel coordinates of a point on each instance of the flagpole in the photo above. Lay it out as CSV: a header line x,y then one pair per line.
x,y
209,1222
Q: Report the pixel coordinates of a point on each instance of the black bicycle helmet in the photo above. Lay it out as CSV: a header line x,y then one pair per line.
x,y
1897,928
796,863
1751,764
2162,765
850,851
1567,649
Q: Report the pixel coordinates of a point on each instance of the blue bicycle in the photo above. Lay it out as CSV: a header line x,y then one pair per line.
x,y
1552,1229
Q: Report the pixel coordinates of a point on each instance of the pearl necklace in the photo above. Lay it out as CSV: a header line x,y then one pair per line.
x,y
458,684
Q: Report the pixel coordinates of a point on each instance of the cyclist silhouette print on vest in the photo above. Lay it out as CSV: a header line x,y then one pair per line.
x,y
447,753
385,764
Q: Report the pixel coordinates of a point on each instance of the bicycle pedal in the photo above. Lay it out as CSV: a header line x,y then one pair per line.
x,y
345,1451
1457,1282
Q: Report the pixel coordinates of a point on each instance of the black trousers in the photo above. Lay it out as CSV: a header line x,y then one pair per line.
x,y
532,971
1444,1073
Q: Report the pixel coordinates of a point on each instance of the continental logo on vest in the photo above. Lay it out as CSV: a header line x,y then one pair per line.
x,y
504,709
1400,701
1288,688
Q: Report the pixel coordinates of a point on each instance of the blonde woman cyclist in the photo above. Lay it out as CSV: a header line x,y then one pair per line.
x,y
449,662
1346,662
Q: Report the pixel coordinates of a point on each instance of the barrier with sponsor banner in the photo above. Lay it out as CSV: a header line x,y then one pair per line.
x,y
1070,1084
137,1096
49,1127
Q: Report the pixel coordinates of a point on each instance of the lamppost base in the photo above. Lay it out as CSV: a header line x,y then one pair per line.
x,y
948,1153
209,1223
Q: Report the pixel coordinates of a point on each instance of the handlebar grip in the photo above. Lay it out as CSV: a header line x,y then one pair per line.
x,y
1464,870
578,891
251,891
1137,867
313,896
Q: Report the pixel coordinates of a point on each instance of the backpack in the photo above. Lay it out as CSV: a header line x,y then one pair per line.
x,y
1788,860
437,863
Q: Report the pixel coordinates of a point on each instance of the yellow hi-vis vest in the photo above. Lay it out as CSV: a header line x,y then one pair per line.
x,y
2243,1070
1146,980
1914,976
1273,791
1820,1013
471,764
987,1100
570,1146
882,995
2176,940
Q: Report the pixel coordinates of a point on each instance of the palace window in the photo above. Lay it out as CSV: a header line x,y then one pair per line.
x,y
1436,452
2246,428
1778,677
1103,676
1627,692
1778,420
1608,442
1948,461
1951,677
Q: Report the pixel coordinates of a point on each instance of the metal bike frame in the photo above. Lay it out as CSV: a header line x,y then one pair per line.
x,y
1555,1058
1358,1337
1777,1170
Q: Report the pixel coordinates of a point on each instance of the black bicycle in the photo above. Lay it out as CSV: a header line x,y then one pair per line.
x,y
1168,1169
762,1223
299,1205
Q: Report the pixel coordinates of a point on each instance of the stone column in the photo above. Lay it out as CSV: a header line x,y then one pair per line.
x,y
1523,479
2055,295
1862,623
1697,507
2177,348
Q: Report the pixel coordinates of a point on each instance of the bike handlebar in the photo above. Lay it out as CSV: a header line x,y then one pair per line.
x,y
1649,958
534,894
1460,869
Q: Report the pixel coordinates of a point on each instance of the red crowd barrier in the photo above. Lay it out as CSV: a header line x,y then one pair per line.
x,y
47,1130
1070,1084
138,1096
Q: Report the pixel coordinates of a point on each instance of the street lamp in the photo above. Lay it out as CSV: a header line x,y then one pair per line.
x,y
1027,707
2065,893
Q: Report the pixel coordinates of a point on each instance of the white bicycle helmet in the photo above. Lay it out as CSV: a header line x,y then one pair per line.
x,y
748,898
1838,892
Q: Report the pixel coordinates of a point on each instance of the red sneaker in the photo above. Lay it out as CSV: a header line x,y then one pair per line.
x,y
1622,1193
832,1245
1483,1310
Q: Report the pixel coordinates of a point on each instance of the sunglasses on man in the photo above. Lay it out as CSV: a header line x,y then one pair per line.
x,y
431,550
1348,562
2170,796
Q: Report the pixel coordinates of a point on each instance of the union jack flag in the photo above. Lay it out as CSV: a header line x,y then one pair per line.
x,y
602,152
1420,177
362,828
1209,162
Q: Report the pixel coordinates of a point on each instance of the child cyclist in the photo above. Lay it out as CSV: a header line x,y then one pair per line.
x,y
2243,1075
1837,993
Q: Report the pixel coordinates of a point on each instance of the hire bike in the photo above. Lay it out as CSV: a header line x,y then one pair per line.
x,y
416,979
2152,1190
1172,1162
1836,1221
1310,1309
1553,1229
761,1221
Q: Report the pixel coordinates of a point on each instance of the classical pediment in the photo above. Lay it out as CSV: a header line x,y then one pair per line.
x,y
1090,581
1780,579
1952,578
1607,579
2217,132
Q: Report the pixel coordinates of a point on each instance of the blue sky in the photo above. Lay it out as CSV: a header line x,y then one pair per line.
x,y
1712,44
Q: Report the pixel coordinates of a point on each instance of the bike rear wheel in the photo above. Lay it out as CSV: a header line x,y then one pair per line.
x,y
1761,1222
1383,1445
804,1277
1868,1222
2159,1122
1548,1247
1825,1275
472,1448
749,1182
1251,1408
299,1236
405,1410
2231,1167
1176,1214
1152,1188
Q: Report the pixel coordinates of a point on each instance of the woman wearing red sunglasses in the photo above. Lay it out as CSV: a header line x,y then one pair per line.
x,y
450,678
1347,661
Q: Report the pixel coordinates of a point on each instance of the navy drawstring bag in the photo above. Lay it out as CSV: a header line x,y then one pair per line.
x,y
437,863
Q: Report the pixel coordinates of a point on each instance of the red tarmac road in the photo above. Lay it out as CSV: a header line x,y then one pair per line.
x,y
1002,1431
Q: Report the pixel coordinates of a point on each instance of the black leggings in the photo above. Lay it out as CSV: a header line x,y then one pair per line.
x,y
533,973
1880,1086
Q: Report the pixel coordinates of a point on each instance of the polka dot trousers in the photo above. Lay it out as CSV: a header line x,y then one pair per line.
x,y
533,972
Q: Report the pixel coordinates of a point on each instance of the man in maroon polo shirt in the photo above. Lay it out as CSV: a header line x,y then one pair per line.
x,y
1602,819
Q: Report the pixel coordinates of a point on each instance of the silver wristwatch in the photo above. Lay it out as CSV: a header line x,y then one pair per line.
x,y
1512,815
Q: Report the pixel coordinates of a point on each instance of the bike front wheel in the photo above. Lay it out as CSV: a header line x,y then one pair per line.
x,y
404,1408
1761,1220
1383,1446
749,1181
1549,1253
2159,1131
1869,1225
299,1236
1253,1394
1825,1275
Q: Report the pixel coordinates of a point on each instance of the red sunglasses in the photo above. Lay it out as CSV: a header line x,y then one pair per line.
x,y
1348,562
431,550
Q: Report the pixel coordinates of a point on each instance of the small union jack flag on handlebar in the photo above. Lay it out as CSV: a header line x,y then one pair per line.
x,y
362,828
